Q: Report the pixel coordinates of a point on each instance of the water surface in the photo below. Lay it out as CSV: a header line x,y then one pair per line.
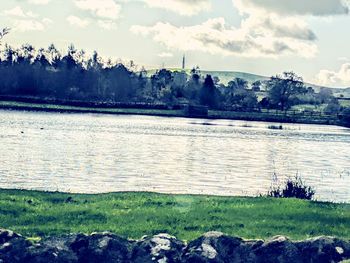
x,y
90,153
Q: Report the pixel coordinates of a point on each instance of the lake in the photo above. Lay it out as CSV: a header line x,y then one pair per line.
x,y
91,153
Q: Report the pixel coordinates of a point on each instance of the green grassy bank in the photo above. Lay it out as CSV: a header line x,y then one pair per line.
x,y
38,214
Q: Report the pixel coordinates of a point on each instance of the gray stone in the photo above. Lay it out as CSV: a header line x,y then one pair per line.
x,y
211,247
217,247
13,247
278,249
324,249
101,248
161,248
53,249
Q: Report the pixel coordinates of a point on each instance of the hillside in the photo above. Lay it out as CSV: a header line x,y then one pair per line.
x,y
226,76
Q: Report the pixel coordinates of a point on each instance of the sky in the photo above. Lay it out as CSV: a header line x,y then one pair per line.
x,y
265,37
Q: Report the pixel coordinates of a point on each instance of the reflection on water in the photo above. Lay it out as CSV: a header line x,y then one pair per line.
x,y
103,153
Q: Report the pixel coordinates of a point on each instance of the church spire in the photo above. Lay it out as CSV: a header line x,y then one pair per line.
x,y
183,62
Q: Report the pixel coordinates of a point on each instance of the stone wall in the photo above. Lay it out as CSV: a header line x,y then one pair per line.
x,y
162,248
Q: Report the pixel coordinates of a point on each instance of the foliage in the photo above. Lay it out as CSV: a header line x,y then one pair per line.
x,y
346,116
275,127
209,93
325,95
282,88
4,32
238,95
293,188
187,217
256,86
47,74
333,107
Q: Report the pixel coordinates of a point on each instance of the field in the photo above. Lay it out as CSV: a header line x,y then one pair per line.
x,y
344,103
37,214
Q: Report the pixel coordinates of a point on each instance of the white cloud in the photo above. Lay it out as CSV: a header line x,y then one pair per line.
x,y
346,59
26,21
182,7
165,55
331,78
106,9
18,12
294,7
77,21
106,24
47,21
269,28
28,25
39,2
255,38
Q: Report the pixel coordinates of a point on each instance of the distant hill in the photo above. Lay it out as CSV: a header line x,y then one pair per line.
x,y
226,76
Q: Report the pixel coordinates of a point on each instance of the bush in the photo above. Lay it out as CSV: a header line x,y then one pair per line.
x,y
275,127
345,117
333,107
293,188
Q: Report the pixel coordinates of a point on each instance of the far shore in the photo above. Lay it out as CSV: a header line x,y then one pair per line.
x,y
263,116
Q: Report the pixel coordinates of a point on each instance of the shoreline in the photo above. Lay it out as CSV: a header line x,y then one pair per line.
x,y
213,114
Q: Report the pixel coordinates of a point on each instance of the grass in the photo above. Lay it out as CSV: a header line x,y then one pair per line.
x,y
309,107
132,215
344,103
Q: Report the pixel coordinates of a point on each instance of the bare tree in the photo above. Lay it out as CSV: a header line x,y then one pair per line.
x,y
4,32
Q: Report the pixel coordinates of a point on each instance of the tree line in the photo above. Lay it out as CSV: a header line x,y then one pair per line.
x,y
46,73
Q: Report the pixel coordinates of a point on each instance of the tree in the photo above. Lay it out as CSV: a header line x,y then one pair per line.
x,y
193,87
119,81
256,86
238,83
242,99
325,95
237,95
345,117
54,55
161,80
3,33
209,93
282,88
27,81
333,107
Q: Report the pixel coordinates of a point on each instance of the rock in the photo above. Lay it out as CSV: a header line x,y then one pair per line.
x,y
54,249
105,247
7,235
161,248
278,249
13,247
324,249
217,247
211,247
